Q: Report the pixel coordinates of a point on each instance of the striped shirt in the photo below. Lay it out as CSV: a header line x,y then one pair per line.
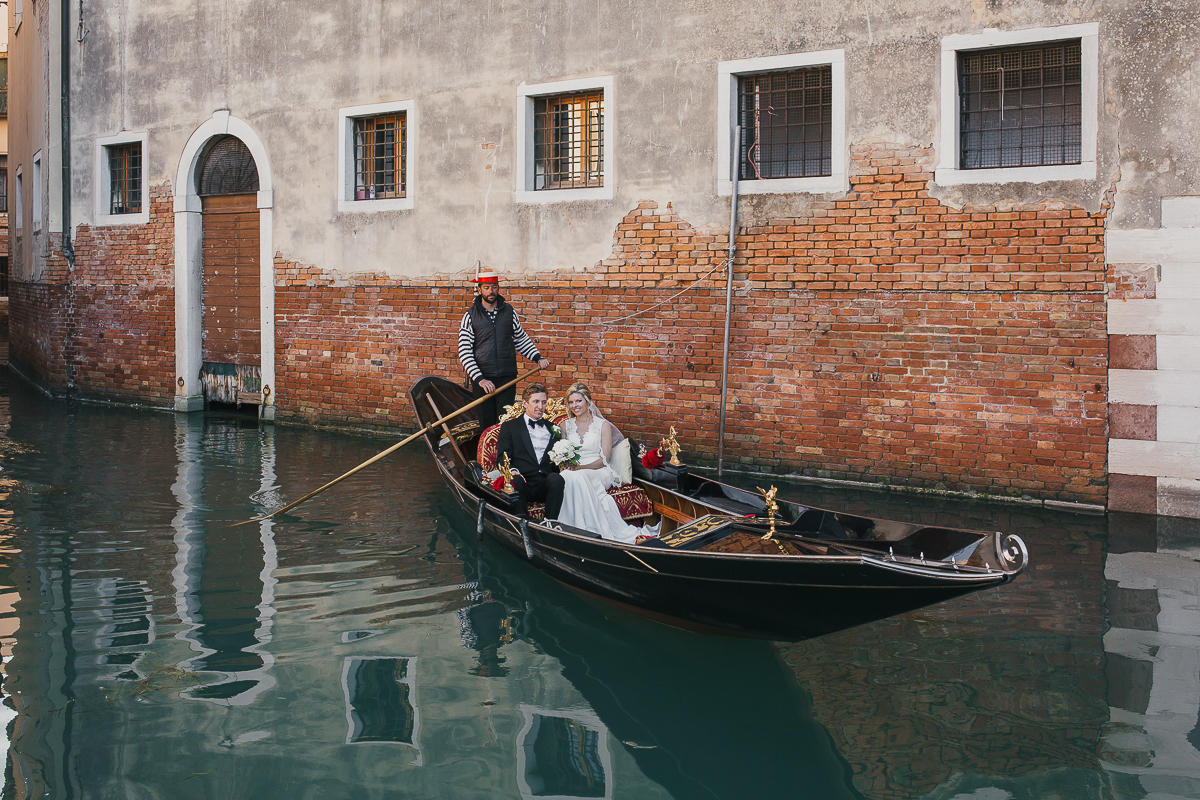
x,y
466,342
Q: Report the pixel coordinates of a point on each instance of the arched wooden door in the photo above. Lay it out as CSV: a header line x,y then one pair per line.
x,y
232,324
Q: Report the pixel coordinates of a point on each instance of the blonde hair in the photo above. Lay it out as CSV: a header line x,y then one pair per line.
x,y
579,387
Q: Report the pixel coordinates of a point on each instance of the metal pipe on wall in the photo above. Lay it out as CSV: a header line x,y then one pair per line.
x,y
65,59
733,209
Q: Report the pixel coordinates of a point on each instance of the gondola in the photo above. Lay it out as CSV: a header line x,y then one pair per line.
x,y
727,561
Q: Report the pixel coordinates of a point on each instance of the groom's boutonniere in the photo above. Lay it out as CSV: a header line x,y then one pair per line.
x,y
555,433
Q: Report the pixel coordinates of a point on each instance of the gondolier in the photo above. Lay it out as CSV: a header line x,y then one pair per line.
x,y
489,338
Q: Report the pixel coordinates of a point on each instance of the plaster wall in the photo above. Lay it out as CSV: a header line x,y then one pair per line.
x,y
287,69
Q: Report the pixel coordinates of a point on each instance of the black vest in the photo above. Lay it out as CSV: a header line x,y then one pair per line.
x,y
495,353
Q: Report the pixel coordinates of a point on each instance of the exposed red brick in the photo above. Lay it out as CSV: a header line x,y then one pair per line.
x,y
915,345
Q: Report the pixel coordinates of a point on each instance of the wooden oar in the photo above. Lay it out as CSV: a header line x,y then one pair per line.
x,y
391,449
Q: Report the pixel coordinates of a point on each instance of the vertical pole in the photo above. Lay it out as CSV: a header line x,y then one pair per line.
x,y
733,209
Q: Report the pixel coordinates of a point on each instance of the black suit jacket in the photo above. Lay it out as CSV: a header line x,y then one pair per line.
x,y
514,440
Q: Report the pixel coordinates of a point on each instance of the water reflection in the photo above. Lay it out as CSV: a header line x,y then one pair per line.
x,y
224,576
1152,740
370,646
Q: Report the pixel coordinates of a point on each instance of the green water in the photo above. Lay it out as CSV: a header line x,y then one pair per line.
x,y
369,646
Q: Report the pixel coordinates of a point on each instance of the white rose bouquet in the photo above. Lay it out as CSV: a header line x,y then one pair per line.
x,y
565,453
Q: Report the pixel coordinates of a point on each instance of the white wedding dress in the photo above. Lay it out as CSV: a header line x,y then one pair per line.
x,y
586,502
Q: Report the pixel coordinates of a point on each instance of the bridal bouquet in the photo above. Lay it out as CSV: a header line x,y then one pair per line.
x,y
565,453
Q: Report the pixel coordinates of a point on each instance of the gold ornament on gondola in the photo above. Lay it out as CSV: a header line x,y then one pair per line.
x,y
671,445
556,408
512,412
505,468
772,508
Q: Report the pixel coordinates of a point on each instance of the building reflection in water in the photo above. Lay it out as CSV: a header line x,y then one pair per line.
x,y
224,576
381,701
1151,743
563,754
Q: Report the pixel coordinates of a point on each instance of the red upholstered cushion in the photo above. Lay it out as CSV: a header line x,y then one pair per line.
x,y
489,443
633,501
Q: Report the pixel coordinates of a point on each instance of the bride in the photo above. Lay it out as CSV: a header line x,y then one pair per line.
x,y
586,503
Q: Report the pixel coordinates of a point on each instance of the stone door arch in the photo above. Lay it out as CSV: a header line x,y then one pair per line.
x,y
205,184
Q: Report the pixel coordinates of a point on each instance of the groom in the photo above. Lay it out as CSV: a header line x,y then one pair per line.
x,y
527,441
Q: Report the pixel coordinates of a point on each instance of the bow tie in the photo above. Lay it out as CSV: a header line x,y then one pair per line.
x,y
533,423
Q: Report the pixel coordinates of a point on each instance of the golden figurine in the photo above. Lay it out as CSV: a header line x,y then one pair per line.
x,y
772,508
671,445
505,468
512,412
556,408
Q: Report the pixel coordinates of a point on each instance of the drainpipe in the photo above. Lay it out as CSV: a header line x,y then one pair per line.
x,y
68,250
733,209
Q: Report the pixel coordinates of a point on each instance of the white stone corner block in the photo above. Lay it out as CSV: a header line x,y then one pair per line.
x,y
1181,212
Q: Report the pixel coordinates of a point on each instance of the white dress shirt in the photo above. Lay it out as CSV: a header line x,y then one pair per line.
x,y
539,435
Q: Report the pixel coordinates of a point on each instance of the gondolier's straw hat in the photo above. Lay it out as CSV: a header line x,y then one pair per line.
x,y
486,276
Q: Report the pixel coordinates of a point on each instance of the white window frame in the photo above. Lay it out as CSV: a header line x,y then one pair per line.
x,y
524,172
103,190
345,149
948,172
728,73
37,192
20,206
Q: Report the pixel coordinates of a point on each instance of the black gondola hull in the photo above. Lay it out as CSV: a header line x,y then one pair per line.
x,y
771,597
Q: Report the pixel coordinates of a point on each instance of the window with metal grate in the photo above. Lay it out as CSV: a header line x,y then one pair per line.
x,y
125,178
787,124
380,157
1020,107
568,141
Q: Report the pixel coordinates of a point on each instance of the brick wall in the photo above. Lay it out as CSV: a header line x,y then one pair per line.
x,y
884,337
108,326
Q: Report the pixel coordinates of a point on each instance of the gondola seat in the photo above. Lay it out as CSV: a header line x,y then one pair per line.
x,y
632,500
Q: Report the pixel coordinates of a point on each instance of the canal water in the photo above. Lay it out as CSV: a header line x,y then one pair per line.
x,y
368,646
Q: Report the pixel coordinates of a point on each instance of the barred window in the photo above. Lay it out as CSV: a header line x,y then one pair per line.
x,y
4,184
380,157
787,124
568,141
125,178
1021,107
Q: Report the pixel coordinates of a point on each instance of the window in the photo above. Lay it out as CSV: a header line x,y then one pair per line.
x,y
564,131
4,184
787,124
791,112
4,86
379,157
375,151
37,191
1019,106
568,141
122,193
125,178
19,191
